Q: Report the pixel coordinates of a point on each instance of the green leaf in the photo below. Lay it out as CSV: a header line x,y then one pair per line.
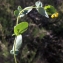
x,y
38,4
42,12
16,12
20,28
19,8
50,9
40,9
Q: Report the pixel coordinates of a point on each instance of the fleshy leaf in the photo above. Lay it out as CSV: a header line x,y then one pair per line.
x,y
38,4
50,9
16,12
42,12
20,28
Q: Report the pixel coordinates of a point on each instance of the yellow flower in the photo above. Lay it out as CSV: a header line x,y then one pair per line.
x,y
55,15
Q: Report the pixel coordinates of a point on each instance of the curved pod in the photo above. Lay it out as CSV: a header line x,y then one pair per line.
x,y
18,42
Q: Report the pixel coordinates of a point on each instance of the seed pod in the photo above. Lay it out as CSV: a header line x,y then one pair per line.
x,y
18,42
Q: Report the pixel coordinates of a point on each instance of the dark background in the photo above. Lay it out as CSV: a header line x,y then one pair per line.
x,y
42,42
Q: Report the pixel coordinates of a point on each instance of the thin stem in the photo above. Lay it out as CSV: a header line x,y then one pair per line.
x,y
24,10
17,20
15,43
14,51
27,9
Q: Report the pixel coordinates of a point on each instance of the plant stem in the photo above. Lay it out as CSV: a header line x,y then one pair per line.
x,y
14,51
26,9
17,20
15,43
